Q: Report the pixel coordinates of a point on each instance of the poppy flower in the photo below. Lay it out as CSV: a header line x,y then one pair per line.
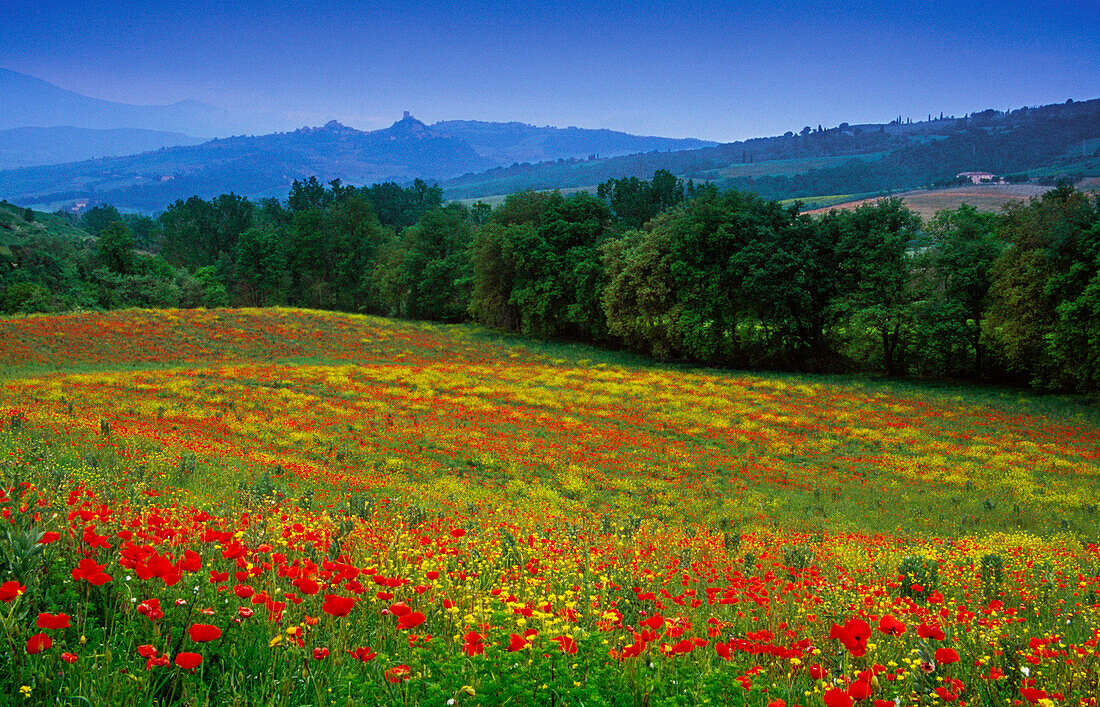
x,y
411,620
853,635
568,644
818,671
52,622
930,631
48,537
320,653
307,586
837,698
69,657
89,570
363,653
945,656
457,533
191,561
891,626
150,608
38,643
147,651
201,633
859,690
474,644
188,661
10,590
337,606
398,673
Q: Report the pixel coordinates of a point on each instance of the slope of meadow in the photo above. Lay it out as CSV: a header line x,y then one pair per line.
x,y
290,507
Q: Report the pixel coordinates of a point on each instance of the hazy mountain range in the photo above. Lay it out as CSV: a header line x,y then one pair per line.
x,y
481,159
58,147
31,147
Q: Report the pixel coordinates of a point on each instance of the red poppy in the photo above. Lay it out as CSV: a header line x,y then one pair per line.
x,y
188,661
474,644
338,606
930,631
48,537
818,671
88,569
308,586
859,690
38,643
150,608
398,673
568,644
69,657
201,633
10,590
457,533
400,609
891,626
52,622
946,656
320,653
837,698
363,653
853,635
411,620
147,651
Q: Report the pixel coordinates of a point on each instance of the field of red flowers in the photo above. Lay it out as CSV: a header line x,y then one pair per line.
x,y
283,507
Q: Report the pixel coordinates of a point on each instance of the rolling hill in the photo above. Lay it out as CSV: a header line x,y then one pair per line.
x,y
1053,140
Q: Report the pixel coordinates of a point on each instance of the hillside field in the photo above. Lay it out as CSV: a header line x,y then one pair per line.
x,y
926,202
288,507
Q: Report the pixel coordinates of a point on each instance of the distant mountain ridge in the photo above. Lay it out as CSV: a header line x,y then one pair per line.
x,y
257,166
508,143
266,165
28,102
32,147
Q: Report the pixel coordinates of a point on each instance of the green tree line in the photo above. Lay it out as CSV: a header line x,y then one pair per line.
x,y
671,270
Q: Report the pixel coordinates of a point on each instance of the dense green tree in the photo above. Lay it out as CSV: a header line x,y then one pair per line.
x,y
115,249
196,232
98,218
1043,299
877,284
958,269
260,270
427,275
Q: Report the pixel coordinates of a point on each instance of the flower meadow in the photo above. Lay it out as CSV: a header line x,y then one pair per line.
x,y
286,507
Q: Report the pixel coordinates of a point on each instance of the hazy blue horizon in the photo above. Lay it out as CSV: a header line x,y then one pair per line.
x,y
714,70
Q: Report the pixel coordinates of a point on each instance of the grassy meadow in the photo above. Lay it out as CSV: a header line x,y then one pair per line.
x,y
287,507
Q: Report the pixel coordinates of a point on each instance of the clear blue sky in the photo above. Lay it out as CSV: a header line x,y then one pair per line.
x,y
715,70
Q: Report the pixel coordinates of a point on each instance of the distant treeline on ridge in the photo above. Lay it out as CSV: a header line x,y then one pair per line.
x,y
657,266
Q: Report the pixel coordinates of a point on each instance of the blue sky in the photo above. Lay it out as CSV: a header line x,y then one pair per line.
x,y
715,70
